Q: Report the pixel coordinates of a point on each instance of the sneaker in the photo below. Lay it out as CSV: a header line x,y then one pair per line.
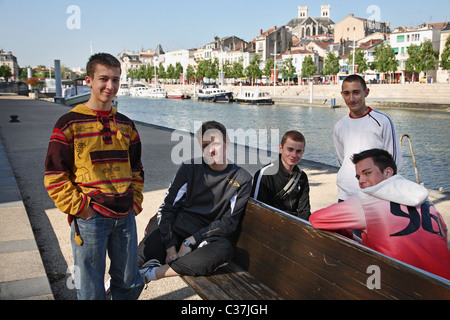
x,y
148,266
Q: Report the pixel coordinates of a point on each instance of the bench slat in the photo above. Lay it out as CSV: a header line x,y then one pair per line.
x,y
231,283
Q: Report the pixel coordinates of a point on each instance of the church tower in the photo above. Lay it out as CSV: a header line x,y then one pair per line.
x,y
302,12
325,11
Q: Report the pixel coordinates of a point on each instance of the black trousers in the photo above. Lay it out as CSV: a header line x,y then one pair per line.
x,y
208,256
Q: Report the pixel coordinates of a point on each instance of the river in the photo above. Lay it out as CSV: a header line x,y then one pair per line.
x,y
429,130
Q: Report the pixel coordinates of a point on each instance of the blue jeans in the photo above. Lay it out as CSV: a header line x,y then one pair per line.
x,y
118,237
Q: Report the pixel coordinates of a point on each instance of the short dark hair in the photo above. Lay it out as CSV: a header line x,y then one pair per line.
x,y
355,78
381,158
105,59
212,125
294,135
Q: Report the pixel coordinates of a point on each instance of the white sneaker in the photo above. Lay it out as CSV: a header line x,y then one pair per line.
x,y
147,267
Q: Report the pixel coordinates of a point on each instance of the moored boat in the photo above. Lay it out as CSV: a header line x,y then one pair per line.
x,y
215,94
254,97
140,90
124,90
178,94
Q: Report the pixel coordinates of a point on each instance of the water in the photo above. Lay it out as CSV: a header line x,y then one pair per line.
x,y
429,130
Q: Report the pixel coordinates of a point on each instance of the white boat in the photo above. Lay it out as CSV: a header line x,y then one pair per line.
x,y
178,94
124,90
215,94
76,94
254,97
140,90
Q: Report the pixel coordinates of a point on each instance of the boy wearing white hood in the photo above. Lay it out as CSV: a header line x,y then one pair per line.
x,y
394,215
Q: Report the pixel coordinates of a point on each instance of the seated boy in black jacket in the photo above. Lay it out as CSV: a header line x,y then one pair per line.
x,y
200,214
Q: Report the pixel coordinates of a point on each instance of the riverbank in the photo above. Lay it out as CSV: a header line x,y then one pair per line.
x,y
25,146
417,96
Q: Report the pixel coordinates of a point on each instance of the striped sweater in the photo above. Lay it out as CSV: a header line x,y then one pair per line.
x,y
95,161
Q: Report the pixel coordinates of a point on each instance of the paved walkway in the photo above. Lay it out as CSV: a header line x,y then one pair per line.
x,y
35,252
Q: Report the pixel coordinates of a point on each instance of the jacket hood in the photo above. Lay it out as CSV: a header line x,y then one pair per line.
x,y
83,109
399,190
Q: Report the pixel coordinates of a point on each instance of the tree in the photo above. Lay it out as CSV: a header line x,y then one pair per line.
x,y
413,61
331,65
309,68
5,72
288,69
428,57
161,71
253,71
190,72
360,60
171,72
445,56
385,60
270,63
238,69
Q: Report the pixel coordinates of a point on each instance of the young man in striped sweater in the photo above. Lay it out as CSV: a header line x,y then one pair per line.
x,y
93,173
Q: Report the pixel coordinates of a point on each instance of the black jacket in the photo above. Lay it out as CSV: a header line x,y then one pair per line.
x,y
204,203
271,179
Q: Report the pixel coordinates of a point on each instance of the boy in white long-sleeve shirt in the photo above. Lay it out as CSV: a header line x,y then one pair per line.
x,y
364,128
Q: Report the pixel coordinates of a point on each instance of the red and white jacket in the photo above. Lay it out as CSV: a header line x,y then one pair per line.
x,y
397,219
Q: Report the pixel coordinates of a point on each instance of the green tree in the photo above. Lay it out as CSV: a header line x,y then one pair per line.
x,y
288,69
309,68
331,65
178,69
270,63
190,72
385,60
360,60
161,71
253,71
428,57
238,69
445,56
412,64
171,72
5,72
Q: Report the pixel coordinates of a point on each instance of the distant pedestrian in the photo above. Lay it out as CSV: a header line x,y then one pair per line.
x,y
93,173
364,128
282,184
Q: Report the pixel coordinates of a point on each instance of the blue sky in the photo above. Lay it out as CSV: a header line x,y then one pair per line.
x,y
37,31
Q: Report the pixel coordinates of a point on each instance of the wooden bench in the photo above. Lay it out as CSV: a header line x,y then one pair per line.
x,y
279,256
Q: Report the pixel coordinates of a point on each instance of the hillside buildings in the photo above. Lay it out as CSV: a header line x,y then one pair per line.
x,y
307,34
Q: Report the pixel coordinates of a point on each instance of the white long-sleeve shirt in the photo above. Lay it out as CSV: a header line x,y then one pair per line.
x,y
354,135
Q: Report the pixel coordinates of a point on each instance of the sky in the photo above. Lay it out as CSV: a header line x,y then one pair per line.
x,y
39,31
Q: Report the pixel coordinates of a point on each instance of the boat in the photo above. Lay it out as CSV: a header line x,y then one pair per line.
x,y
124,90
254,97
215,94
77,93
178,94
141,90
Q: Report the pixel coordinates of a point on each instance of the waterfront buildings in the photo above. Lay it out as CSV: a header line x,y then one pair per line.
x,y
354,28
302,36
8,59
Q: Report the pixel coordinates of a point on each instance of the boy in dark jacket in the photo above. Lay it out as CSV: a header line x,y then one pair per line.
x,y
282,184
200,214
